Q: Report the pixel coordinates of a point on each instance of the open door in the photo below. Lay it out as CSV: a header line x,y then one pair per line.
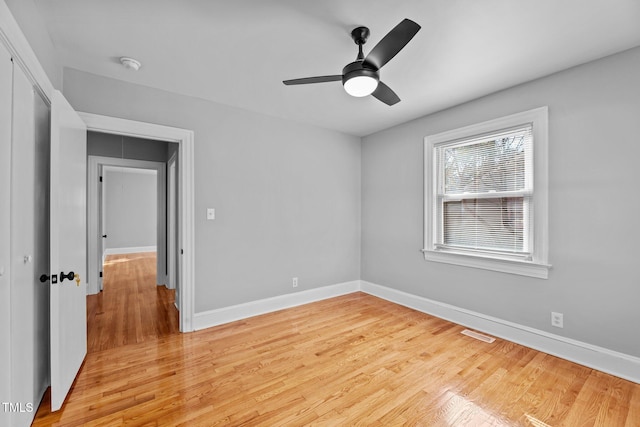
x,y
102,230
172,202
68,258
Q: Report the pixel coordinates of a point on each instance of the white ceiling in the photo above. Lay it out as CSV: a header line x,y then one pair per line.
x,y
238,52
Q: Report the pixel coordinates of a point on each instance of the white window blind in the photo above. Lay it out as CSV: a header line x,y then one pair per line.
x,y
484,191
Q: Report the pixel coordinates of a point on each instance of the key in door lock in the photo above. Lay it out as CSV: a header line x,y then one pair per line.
x,y
77,277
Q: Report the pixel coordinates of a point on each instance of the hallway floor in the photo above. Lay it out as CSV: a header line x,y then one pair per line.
x,y
131,308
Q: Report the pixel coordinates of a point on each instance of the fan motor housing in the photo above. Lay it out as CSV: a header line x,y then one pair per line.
x,y
356,69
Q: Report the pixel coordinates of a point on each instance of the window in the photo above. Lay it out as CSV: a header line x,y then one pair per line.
x,y
486,195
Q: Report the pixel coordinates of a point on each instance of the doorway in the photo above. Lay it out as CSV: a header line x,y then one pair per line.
x,y
184,199
130,220
127,211
130,264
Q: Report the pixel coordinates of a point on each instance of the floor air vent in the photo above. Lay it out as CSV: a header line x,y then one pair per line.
x,y
478,336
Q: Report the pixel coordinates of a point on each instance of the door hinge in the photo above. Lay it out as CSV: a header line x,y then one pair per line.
x,y
101,274
100,179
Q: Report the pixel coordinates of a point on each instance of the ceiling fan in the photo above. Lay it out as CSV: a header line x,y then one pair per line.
x,y
362,77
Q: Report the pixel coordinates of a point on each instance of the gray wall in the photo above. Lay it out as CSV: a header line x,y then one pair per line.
x,y
594,208
130,209
287,195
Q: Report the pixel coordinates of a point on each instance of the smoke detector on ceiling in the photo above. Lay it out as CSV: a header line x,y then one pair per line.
x,y
130,63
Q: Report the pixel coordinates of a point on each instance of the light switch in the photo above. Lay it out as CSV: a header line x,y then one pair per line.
x,y
211,213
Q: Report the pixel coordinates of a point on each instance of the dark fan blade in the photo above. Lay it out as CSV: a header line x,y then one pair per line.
x,y
385,94
319,79
392,43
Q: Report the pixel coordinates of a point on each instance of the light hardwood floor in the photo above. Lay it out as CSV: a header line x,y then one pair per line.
x,y
131,308
351,360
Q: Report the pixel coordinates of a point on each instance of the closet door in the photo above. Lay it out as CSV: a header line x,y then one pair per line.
x,y
28,345
6,72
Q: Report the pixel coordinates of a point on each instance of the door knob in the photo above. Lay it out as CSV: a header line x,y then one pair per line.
x,y
44,278
69,276
104,236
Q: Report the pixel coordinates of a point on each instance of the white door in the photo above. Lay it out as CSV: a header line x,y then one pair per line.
x,y
102,229
29,244
6,76
68,247
171,225
23,220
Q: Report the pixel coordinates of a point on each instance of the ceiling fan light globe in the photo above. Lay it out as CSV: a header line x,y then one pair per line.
x,y
360,86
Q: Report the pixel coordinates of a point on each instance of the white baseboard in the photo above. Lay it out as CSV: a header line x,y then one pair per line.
x,y
130,250
602,359
612,362
223,315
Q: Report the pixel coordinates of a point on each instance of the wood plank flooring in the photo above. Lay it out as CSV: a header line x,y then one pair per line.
x,y
131,308
350,360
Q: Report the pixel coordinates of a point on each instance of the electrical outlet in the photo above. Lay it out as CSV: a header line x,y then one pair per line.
x,y
557,319
295,282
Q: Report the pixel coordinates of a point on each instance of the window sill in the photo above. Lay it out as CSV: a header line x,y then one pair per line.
x,y
522,268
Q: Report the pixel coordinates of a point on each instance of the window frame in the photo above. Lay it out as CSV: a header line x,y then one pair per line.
x,y
538,265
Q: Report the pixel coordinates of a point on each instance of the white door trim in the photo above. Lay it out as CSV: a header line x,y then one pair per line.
x,y
186,232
